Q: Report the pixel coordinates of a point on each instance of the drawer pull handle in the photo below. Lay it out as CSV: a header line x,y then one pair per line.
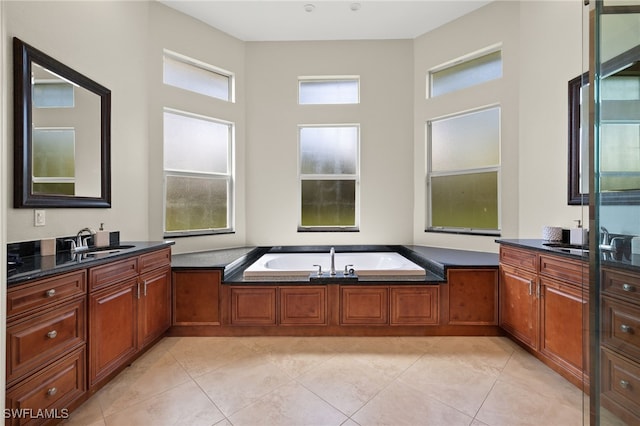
x,y
624,384
52,334
52,391
50,293
626,328
628,287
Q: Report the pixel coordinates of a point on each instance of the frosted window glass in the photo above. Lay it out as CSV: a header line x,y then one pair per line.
x,y
53,95
465,201
328,203
196,203
195,144
53,153
466,141
196,79
329,92
620,88
466,74
328,150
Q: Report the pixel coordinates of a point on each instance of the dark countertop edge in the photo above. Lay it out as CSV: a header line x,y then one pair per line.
x,y
141,247
538,245
435,260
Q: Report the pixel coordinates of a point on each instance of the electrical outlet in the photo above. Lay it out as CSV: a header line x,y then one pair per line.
x,y
39,218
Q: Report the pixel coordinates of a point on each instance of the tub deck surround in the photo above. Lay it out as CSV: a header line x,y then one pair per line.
x,y
33,266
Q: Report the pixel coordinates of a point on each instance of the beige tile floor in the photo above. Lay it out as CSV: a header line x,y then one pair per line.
x,y
335,381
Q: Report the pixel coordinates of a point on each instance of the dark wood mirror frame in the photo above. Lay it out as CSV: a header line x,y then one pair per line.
x,y
574,195
23,57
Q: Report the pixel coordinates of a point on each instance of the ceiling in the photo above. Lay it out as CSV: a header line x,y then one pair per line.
x,y
266,20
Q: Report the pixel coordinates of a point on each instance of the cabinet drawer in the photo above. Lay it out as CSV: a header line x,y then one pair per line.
x,y
155,260
621,385
621,326
575,272
45,292
102,276
55,388
520,258
40,338
620,284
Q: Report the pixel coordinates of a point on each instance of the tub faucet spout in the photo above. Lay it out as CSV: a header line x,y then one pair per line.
x,y
332,271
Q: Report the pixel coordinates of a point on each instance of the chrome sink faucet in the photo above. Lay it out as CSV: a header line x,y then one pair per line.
x,y
332,271
80,243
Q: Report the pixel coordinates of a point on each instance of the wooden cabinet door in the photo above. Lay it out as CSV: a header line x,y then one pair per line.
x,y
155,305
303,305
518,304
563,319
113,325
364,305
196,296
414,305
253,306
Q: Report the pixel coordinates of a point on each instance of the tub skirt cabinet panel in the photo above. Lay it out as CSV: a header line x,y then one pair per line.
x,y
364,305
414,305
196,296
253,306
473,296
303,306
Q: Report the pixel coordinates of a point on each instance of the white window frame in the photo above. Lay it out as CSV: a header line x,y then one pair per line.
x,y
355,177
429,174
228,177
329,78
204,66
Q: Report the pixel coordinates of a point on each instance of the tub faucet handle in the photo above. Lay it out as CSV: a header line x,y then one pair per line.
x,y
319,269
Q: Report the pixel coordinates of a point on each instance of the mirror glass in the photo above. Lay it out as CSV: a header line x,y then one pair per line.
x,y
62,129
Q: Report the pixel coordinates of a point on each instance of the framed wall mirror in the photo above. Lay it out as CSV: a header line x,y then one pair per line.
x,y
578,167
62,130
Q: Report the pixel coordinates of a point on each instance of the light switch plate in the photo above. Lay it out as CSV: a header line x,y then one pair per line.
x,y
39,218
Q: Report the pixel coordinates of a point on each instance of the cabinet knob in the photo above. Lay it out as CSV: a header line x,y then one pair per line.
x,y
52,391
628,287
626,328
624,384
50,293
52,334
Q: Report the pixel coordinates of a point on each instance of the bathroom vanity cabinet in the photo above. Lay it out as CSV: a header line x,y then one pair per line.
x,y
620,348
69,333
544,306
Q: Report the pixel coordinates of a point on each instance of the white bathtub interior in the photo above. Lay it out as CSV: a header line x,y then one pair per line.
x,y
301,264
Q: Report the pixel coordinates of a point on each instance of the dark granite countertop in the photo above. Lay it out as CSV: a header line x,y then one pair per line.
x,y
435,261
36,266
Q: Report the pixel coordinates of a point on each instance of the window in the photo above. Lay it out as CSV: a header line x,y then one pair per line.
x,y
54,161
198,154
329,177
196,76
55,94
465,72
463,172
328,90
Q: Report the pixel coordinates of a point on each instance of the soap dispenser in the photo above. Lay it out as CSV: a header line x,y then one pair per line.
x,y
579,236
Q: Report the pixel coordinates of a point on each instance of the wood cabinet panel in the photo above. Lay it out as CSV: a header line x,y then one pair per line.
x,y
46,292
253,306
155,305
573,271
473,296
303,306
154,260
103,276
364,305
54,388
524,259
414,305
620,389
621,326
620,284
196,297
563,318
113,326
42,337
519,304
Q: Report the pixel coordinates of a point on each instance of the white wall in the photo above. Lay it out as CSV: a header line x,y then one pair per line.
x,y
385,117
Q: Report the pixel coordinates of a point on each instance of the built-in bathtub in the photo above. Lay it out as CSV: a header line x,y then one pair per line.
x,y
302,264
